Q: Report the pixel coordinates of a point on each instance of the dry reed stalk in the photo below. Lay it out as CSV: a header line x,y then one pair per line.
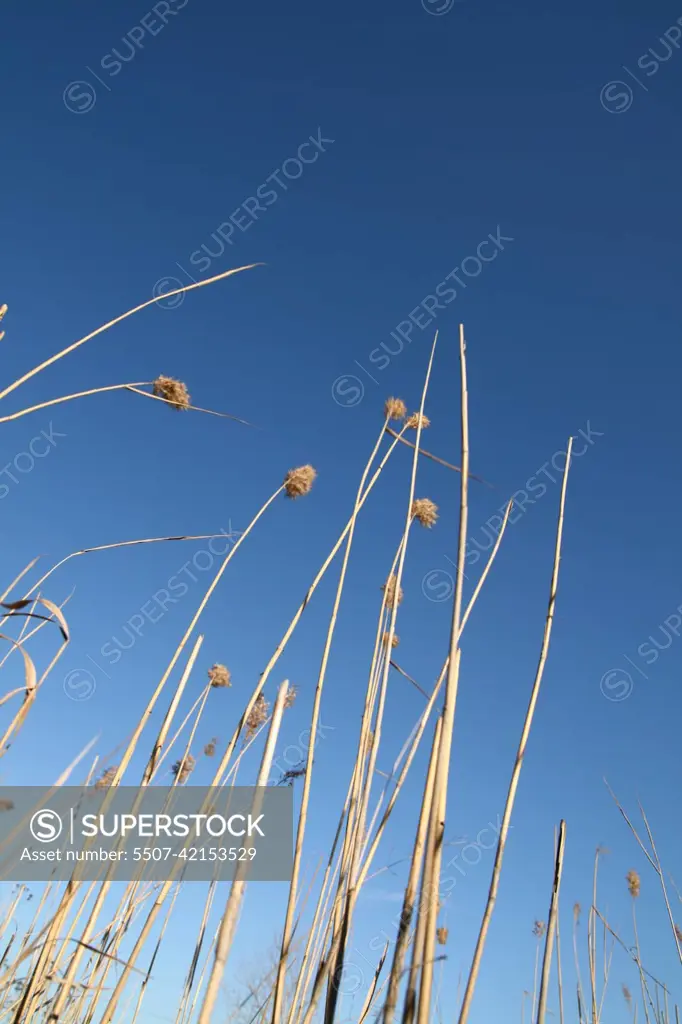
x,y
635,956
109,547
33,684
427,515
560,984
516,772
168,883
303,812
434,458
294,622
132,744
677,936
196,955
418,732
10,911
190,1015
372,991
576,959
111,1007
551,924
592,939
7,979
116,320
408,908
132,386
199,701
418,994
193,408
361,776
443,767
157,947
324,969
181,769
111,938
24,636
228,924
321,909
361,779
17,579
170,714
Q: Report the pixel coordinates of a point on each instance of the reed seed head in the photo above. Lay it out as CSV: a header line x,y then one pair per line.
x,y
182,771
539,929
678,932
425,512
412,422
257,715
442,936
219,676
634,883
577,909
393,596
299,481
290,698
627,995
209,749
174,391
395,409
106,778
395,640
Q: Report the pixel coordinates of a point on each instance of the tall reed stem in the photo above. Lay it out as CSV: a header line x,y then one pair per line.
x,y
518,764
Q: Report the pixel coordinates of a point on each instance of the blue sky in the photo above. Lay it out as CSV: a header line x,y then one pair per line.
x,y
548,129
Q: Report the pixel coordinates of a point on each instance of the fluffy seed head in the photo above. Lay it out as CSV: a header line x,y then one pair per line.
x,y
425,511
678,932
627,995
183,771
539,929
257,715
395,640
174,391
395,409
413,421
298,482
209,749
633,880
577,910
292,693
106,778
393,596
442,936
219,676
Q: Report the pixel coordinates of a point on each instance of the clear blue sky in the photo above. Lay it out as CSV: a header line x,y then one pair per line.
x,y
485,119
